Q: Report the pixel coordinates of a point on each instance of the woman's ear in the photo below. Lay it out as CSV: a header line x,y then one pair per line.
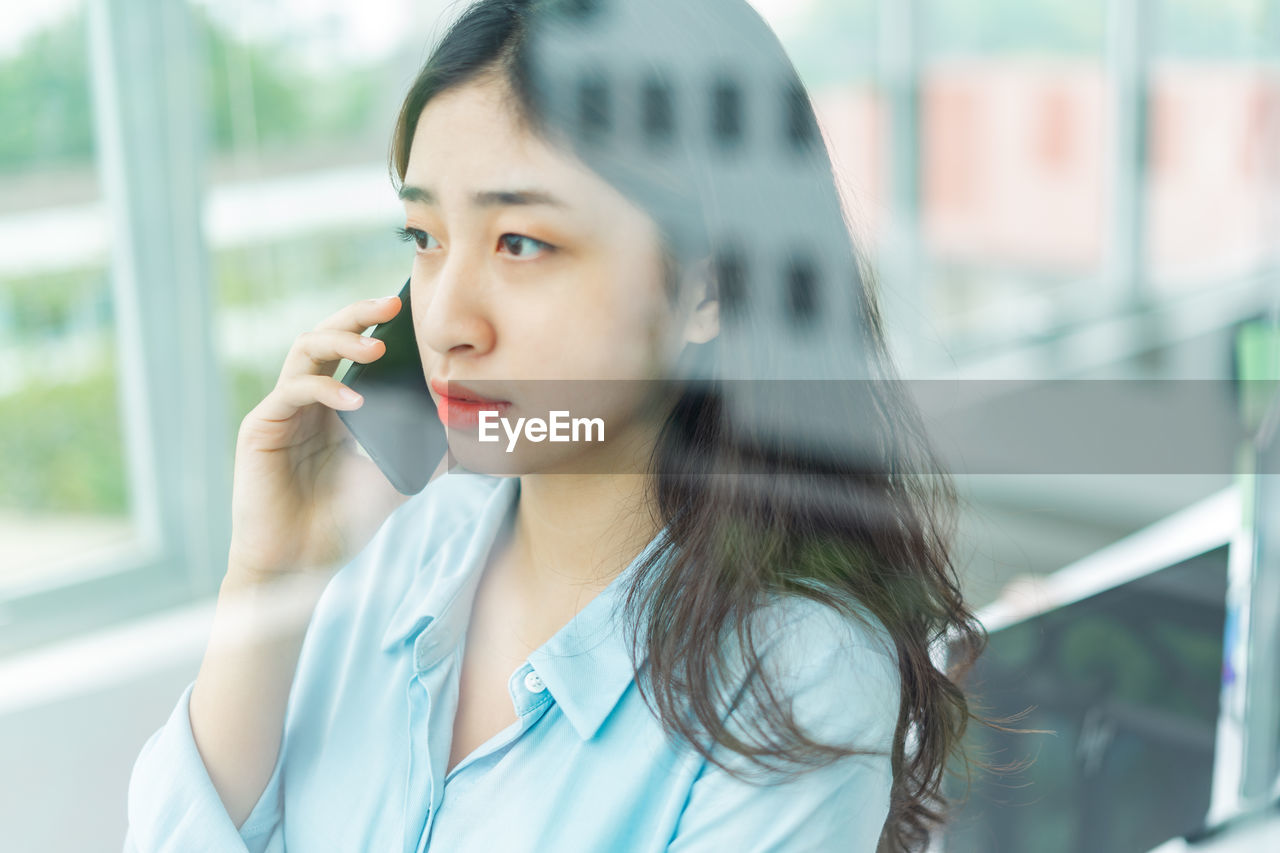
x,y
703,303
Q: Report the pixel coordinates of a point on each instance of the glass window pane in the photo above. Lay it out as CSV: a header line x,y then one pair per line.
x,y
1214,134
833,44
301,213
64,493
1013,150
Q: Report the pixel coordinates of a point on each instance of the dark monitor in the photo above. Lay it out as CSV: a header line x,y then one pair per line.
x,y
1122,657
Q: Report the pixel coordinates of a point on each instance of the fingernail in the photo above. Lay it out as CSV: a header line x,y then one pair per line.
x,y
349,396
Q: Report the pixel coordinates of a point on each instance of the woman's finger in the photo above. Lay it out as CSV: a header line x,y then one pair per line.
x,y
296,392
320,350
359,316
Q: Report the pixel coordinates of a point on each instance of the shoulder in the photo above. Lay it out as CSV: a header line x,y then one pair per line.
x,y
836,671
834,678
805,625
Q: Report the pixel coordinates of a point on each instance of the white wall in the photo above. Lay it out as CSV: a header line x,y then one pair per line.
x,y
72,720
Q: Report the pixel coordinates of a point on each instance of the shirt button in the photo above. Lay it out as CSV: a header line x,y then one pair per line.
x,y
533,682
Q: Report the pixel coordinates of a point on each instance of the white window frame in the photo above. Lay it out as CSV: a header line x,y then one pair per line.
x,y
144,64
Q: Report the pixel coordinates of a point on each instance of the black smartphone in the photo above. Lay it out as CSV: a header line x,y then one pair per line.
x,y
397,425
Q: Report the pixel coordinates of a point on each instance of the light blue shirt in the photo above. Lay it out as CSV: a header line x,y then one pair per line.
x,y
586,766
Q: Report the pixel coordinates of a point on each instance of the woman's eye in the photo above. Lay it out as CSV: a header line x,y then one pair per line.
x,y
519,246
424,241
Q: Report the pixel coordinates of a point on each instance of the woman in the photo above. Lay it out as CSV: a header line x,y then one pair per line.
x,y
712,629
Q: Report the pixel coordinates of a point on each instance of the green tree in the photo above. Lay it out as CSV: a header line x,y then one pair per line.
x,y
255,96
45,118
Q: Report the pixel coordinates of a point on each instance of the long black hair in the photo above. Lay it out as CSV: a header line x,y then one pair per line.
x,y
692,109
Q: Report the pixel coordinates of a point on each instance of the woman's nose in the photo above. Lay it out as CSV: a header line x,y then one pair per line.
x,y
455,314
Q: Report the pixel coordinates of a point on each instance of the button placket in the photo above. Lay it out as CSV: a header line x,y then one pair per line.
x,y
419,782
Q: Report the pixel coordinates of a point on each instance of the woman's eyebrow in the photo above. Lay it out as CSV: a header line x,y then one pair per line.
x,y
488,198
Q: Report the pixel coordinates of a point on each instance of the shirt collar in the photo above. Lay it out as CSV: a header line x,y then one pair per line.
x,y
450,573
586,665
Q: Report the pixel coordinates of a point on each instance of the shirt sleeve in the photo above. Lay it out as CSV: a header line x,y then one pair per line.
x,y
844,692
173,805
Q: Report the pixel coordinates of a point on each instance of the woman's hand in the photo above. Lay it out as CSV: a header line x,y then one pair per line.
x,y
303,497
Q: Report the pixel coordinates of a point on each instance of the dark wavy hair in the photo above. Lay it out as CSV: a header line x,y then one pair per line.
x,y
692,109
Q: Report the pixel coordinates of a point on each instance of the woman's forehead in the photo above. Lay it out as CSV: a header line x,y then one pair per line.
x,y
471,148
467,140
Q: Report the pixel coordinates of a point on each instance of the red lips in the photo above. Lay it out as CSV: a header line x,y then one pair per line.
x,y
460,407
453,391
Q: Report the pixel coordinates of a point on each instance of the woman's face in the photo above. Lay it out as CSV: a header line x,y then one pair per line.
x,y
531,267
